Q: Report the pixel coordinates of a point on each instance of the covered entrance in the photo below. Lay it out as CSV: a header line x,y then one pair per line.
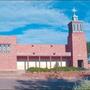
x,y
80,64
25,62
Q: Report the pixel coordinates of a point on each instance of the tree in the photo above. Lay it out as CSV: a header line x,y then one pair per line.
x,y
88,47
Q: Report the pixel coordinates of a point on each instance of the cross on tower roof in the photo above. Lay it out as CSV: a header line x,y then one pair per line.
x,y
75,17
74,10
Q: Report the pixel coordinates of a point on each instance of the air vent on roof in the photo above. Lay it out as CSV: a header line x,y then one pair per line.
x,y
32,45
33,53
51,45
54,53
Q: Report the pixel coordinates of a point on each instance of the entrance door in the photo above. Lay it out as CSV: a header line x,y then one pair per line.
x,y
80,63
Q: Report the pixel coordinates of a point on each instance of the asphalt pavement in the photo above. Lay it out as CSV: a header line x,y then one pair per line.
x,y
14,81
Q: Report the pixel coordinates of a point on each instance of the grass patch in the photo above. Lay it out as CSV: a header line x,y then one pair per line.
x,y
32,69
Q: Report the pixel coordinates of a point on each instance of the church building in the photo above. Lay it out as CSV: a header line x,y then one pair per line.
x,y
14,56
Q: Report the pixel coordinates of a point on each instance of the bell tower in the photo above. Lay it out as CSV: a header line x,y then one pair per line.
x,y
77,42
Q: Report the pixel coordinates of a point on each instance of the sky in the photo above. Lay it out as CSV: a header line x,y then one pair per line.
x,y
40,21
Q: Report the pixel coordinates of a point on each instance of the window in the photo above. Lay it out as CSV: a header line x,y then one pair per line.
x,y
8,48
77,27
74,27
4,48
80,27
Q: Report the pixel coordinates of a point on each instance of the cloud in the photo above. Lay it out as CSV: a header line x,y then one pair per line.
x,y
40,21
42,36
86,29
33,22
20,30
86,26
15,14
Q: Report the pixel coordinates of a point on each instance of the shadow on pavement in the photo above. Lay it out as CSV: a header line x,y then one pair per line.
x,y
86,77
49,84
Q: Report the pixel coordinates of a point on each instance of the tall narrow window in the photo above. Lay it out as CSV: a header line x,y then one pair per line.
x,y
8,47
74,27
80,27
4,48
77,27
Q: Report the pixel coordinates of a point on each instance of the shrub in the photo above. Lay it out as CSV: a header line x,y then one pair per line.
x,y
66,69
32,69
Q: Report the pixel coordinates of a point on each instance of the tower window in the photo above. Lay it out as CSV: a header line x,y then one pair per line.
x,y
77,27
80,27
74,27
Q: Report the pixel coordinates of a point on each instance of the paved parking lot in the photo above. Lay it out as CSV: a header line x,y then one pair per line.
x,y
21,82
14,84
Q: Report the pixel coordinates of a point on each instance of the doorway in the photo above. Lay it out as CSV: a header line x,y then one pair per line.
x,y
80,63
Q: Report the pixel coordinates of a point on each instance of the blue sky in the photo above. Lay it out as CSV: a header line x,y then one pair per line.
x,y
42,22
